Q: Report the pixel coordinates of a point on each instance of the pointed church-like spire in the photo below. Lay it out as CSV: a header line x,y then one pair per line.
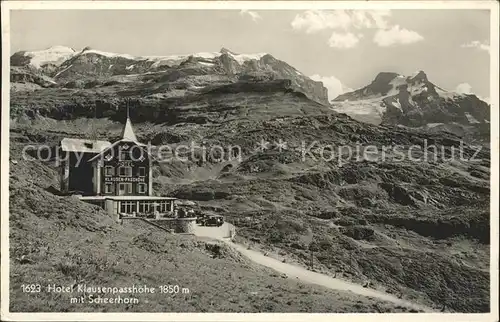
x,y
128,132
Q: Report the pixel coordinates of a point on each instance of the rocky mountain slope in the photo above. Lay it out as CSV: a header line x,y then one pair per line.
x,y
411,217
89,67
413,101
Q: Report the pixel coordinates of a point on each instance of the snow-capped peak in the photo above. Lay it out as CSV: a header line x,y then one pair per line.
x,y
55,55
420,75
59,48
58,54
107,54
241,58
415,73
227,51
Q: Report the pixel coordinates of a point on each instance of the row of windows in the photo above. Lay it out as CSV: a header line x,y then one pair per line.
x,y
164,207
144,207
125,188
126,171
128,207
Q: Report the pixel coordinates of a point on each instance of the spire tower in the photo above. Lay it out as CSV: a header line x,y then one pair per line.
x,y
128,131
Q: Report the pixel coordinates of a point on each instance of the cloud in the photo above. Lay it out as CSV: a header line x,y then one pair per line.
x,y
476,44
312,21
396,35
466,88
254,15
343,40
332,84
345,23
463,88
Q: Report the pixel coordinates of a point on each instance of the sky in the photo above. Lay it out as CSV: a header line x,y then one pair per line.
x,y
345,49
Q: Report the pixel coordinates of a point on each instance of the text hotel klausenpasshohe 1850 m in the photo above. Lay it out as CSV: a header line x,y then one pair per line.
x,y
92,294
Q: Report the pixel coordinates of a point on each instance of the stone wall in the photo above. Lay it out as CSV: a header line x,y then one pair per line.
x,y
177,225
185,225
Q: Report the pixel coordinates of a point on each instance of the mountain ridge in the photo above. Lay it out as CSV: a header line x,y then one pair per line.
x,y
64,64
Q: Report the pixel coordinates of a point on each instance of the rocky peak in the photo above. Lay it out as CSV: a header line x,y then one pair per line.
x,y
224,50
415,101
420,76
54,55
384,77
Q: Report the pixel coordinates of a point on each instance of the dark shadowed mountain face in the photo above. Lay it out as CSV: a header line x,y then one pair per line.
x,y
412,217
413,101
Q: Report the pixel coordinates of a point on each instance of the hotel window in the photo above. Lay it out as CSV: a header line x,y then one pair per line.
x,y
125,171
142,187
108,188
124,155
145,207
128,207
125,188
109,171
164,207
142,171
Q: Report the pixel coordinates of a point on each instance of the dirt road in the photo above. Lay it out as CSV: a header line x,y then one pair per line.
x,y
294,271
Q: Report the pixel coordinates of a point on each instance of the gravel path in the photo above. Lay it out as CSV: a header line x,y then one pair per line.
x,y
294,271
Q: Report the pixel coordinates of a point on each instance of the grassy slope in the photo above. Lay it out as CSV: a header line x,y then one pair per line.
x,y
62,240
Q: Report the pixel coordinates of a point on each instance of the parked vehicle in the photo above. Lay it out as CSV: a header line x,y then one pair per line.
x,y
212,220
199,216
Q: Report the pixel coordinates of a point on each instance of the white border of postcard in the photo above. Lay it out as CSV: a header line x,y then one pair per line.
x,y
493,6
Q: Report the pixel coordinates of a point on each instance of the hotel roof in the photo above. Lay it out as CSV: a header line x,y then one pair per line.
x,y
128,135
84,145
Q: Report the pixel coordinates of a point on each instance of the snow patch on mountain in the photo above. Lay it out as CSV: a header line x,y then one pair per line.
x,y
62,71
108,54
242,58
397,104
162,60
431,125
58,54
54,55
471,118
368,111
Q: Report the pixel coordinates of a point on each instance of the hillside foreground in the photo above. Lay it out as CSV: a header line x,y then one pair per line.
x,y
61,240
